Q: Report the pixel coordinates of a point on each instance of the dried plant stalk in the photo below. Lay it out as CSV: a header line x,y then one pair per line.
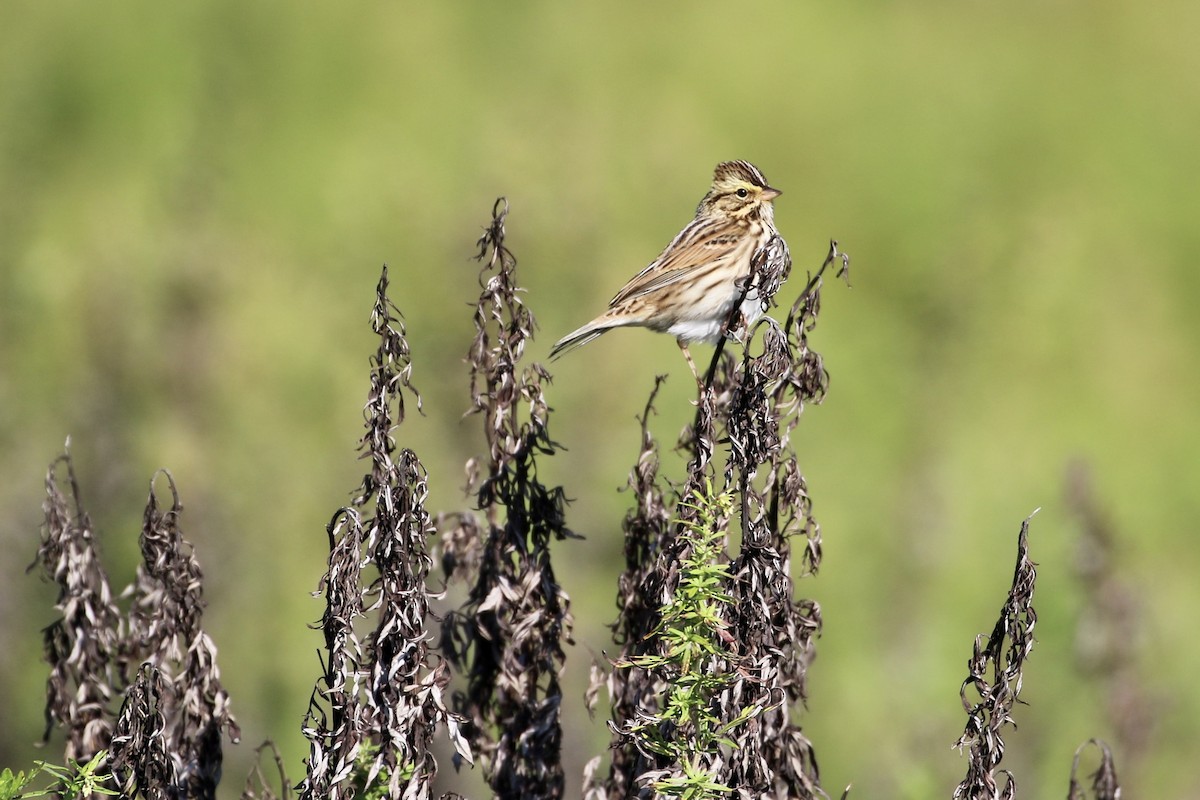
x,y
1110,630
1104,780
374,712
83,646
995,673
165,741
753,405
508,638
776,631
258,786
648,531
165,632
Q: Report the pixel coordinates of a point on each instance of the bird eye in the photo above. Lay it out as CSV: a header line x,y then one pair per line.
x,y
742,193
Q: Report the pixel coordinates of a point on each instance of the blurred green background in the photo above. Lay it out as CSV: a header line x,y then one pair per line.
x,y
197,199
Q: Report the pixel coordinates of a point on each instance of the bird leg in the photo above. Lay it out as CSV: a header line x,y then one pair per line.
x,y
691,364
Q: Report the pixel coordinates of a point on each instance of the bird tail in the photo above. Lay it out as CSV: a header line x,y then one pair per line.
x,y
582,336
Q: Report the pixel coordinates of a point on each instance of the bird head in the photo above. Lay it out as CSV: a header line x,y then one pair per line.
x,y
738,191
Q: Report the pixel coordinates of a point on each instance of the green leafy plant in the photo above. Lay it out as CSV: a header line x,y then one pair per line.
x,y
368,786
70,782
696,660
11,783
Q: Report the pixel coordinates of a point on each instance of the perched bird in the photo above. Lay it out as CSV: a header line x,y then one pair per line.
x,y
691,288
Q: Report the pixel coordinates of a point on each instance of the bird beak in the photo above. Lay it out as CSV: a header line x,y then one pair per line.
x,y
770,194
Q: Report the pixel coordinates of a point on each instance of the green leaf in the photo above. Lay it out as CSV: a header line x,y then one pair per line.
x,y
11,784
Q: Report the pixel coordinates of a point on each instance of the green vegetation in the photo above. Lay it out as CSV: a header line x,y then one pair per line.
x,y
694,662
70,783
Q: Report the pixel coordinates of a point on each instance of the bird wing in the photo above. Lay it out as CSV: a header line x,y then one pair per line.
x,y
699,244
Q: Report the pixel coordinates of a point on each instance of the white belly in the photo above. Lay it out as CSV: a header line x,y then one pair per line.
x,y
708,328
